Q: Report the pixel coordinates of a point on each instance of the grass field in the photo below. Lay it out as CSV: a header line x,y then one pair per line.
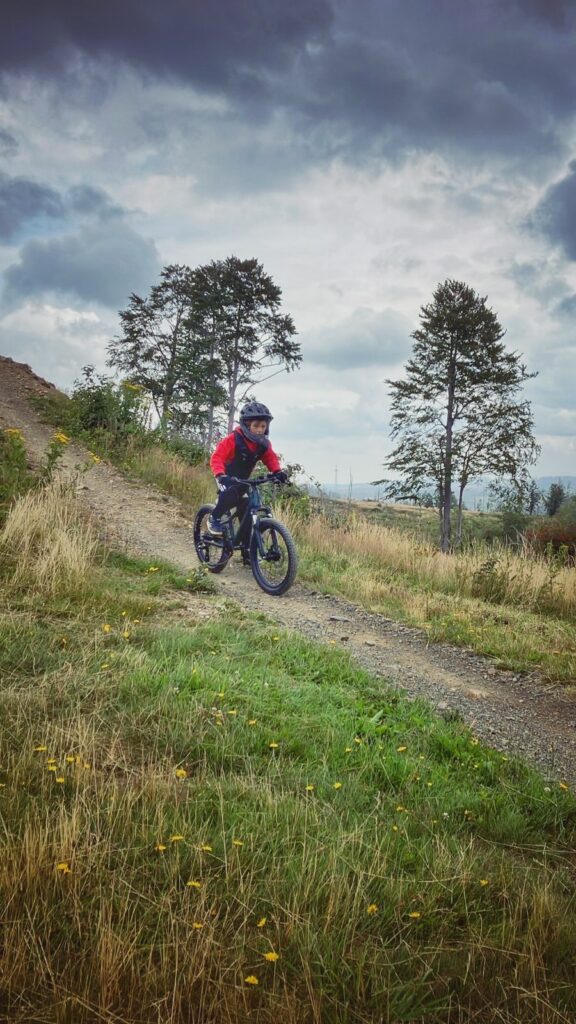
x,y
206,819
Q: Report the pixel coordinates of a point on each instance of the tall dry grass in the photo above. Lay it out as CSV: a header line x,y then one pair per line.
x,y
47,545
377,556
172,475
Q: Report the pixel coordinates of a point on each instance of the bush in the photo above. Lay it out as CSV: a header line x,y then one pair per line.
x,y
555,539
98,405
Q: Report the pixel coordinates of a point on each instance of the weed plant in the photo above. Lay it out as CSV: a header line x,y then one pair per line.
x,y
205,819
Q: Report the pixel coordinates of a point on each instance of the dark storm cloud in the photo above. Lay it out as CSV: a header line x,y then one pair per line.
x,y
492,76
212,44
103,263
366,338
8,144
87,200
556,214
22,200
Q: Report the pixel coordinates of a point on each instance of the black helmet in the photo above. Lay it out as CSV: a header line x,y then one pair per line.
x,y
255,411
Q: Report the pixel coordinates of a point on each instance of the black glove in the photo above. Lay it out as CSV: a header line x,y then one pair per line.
x,y
281,476
225,481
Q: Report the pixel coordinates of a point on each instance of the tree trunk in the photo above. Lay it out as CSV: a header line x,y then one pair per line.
x,y
459,516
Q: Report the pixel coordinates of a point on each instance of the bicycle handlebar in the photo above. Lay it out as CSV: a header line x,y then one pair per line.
x,y
268,479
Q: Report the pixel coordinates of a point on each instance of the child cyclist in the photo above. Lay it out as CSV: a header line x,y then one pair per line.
x,y
236,456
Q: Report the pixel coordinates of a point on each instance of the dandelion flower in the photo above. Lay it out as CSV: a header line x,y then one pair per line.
x,y
233,711
415,914
357,740
337,785
70,759
251,980
261,922
400,750
126,634
51,768
309,788
484,881
176,839
237,842
106,628
193,884
563,785
252,721
348,750
40,749
51,760
372,908
222,693
197,925
271,957
160,847
180,773
206,848
153,568
60,778
273,745
63,867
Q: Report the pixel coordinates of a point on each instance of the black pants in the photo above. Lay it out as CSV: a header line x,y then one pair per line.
x,y
235,497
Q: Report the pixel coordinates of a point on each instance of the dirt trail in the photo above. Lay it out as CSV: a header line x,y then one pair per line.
x,y
515,714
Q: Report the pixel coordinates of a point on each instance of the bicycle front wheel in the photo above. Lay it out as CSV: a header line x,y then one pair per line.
x,y
211,550
273,557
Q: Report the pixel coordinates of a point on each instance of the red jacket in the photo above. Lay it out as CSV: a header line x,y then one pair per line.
x,y
226,452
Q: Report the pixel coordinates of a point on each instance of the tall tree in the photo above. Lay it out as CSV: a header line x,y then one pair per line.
x,y
162,348
239,307
554,498
456,414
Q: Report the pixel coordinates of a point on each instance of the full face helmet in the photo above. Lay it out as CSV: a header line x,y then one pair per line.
x,y
255,411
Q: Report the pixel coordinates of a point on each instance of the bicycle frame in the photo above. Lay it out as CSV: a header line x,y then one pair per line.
x,y
254,508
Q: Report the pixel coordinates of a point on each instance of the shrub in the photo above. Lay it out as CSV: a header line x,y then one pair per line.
x,y
555,539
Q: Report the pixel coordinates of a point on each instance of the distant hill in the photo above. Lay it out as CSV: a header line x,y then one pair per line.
x,y
476,495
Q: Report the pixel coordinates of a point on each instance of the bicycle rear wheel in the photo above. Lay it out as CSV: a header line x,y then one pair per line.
x,y
274,567
211,550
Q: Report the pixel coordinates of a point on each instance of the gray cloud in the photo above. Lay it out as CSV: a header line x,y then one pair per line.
x,y
103,263
25,203
8,144
556,214
376,77
366,338
22,200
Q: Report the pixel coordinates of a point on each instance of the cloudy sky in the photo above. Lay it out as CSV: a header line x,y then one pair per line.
x,y
362,150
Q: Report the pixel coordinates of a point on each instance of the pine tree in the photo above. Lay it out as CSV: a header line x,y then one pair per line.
x,y
456,414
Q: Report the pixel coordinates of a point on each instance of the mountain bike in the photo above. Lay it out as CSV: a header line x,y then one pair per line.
x,y
271,549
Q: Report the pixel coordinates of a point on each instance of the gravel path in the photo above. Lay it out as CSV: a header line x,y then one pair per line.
x,y
517,714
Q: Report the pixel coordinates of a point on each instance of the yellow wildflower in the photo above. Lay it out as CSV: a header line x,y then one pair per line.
x,y
237,842
251,980
348,750
206,848
271,957
126,634
415,914
40,749
337,785
193,884
484,881
197,925
273,745
261,922
233,711
309,788
153,568
180,773
60,778
61,437
176,839
563,785
106,628
70,759
372,908
64,867
401,750
51,768
160,847
252,721
13,432
51,760
394,828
